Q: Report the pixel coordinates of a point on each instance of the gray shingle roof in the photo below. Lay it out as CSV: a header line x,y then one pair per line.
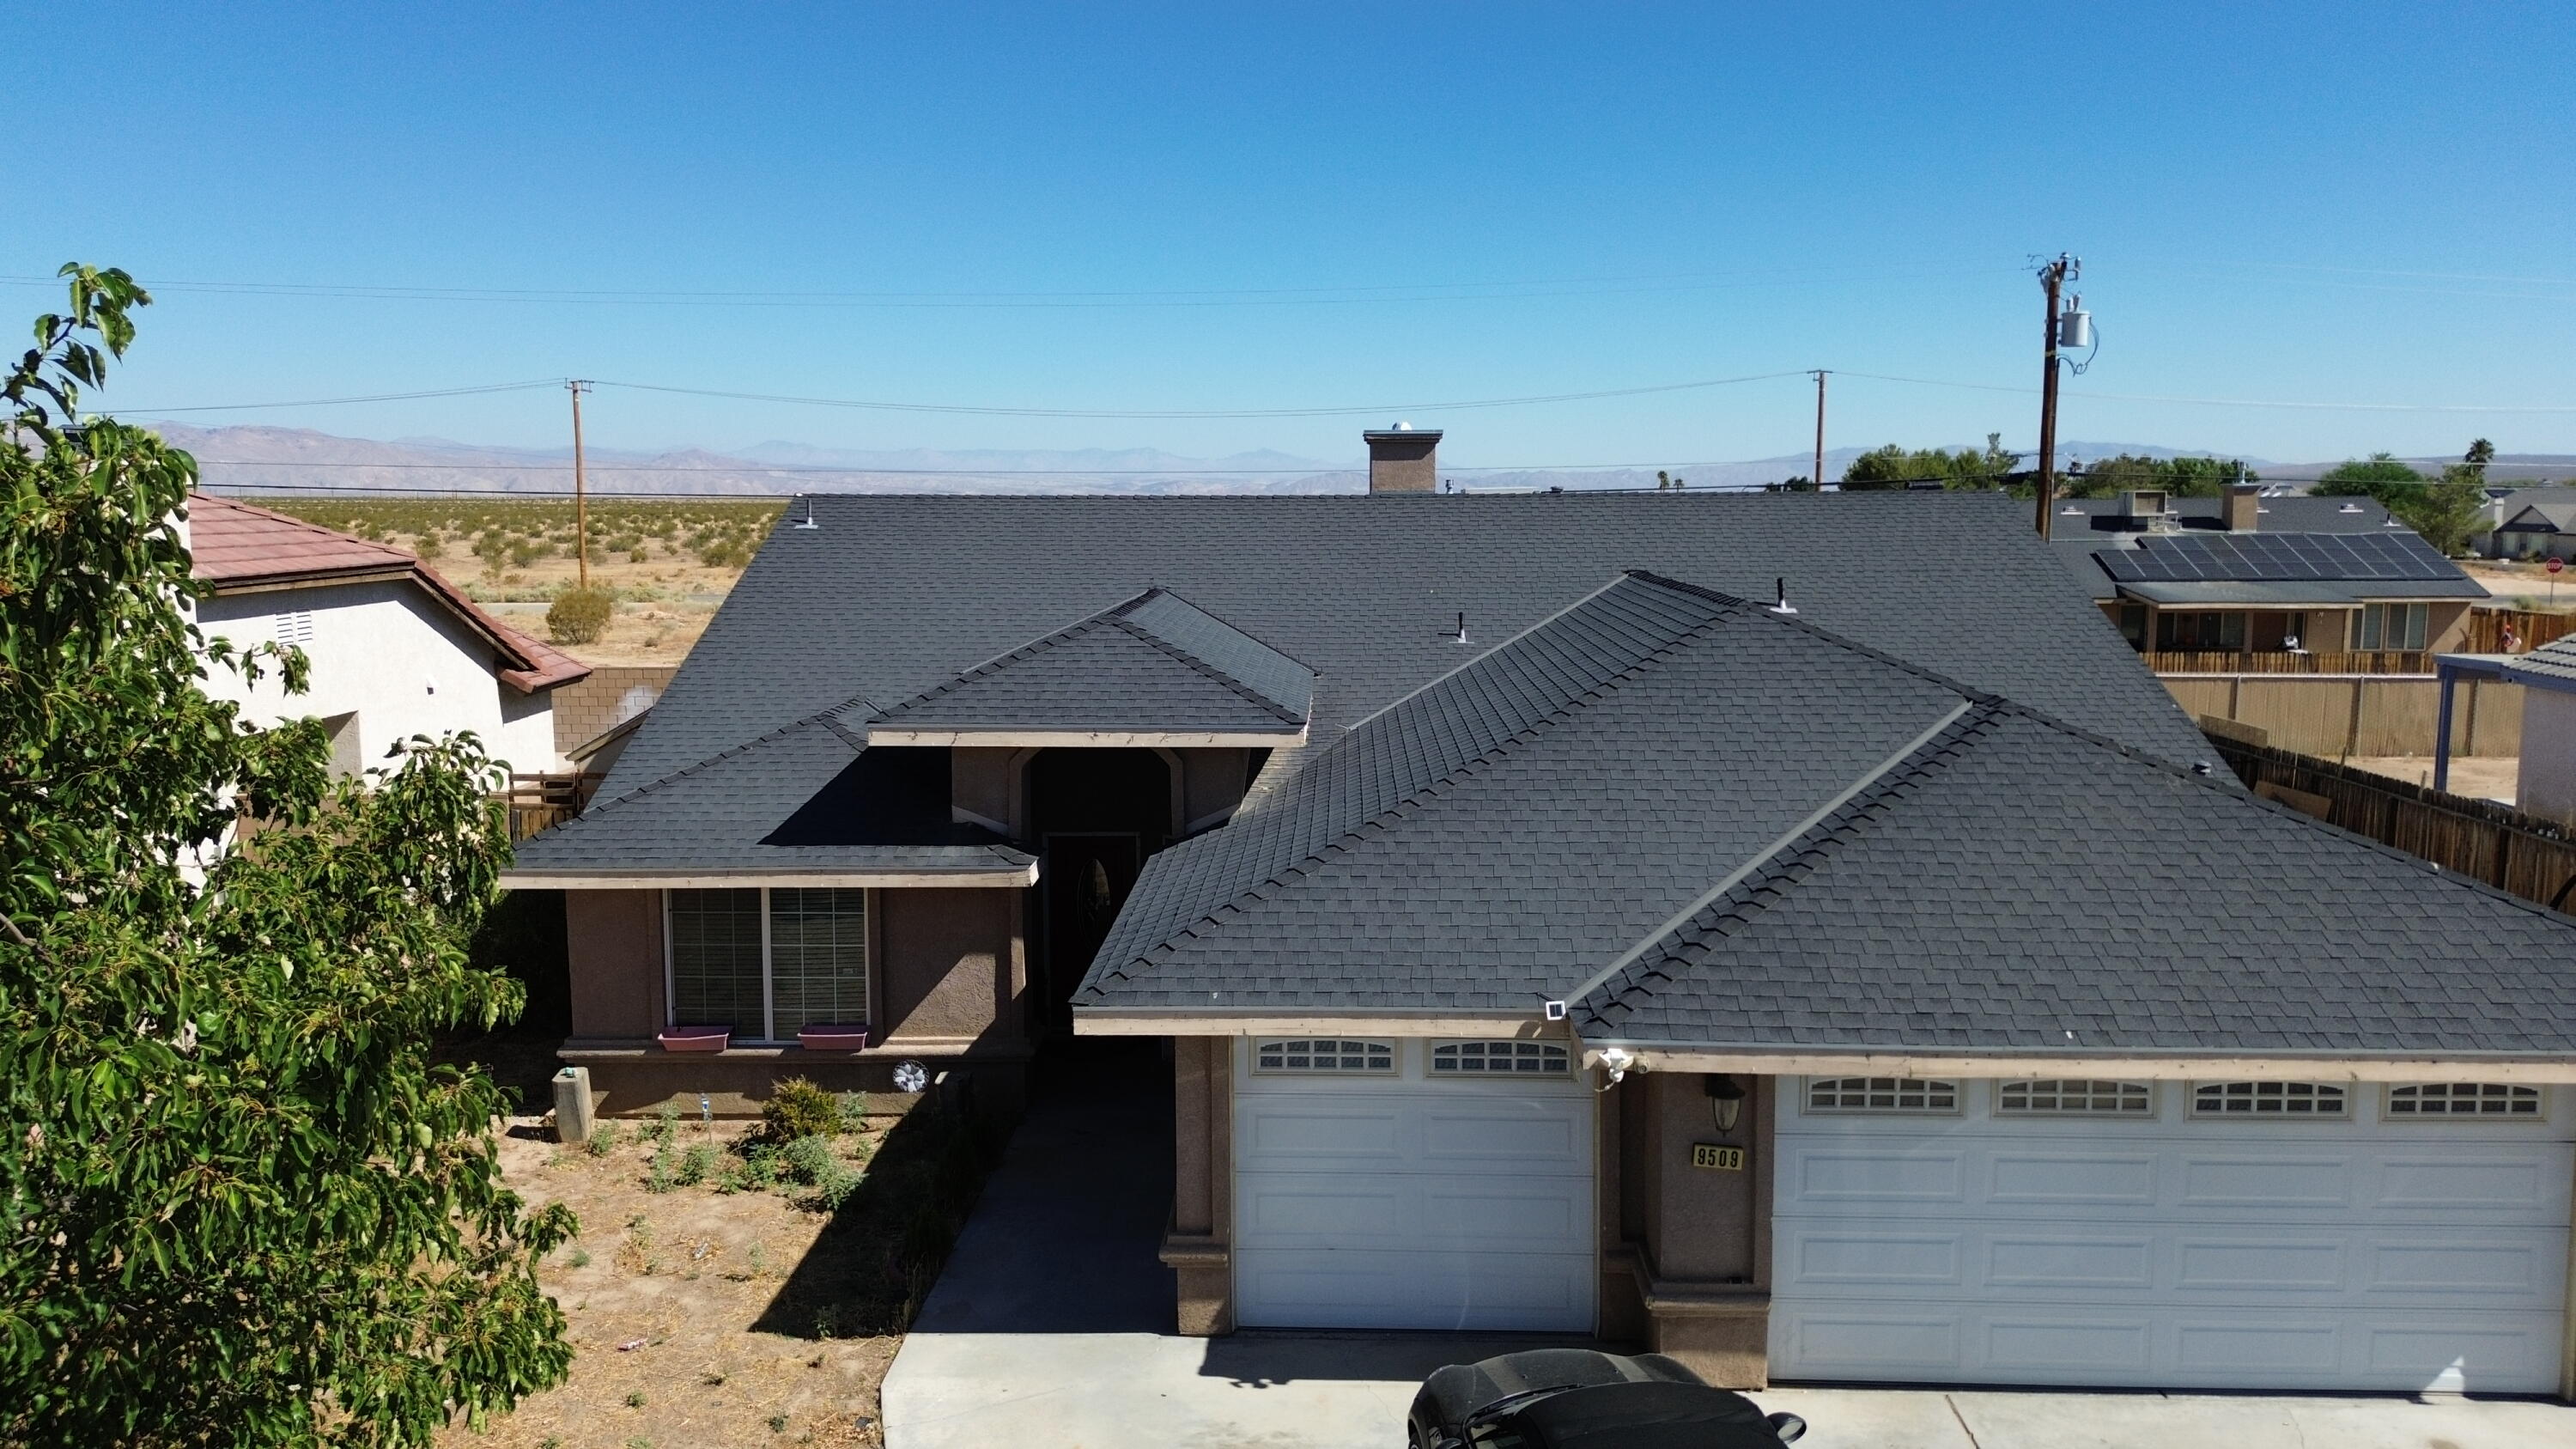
x,y
2552,664
892,595
2019,881
802,798
1903,861
1154,662
2096,526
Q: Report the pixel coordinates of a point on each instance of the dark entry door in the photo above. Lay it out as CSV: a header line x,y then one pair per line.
x,y
1086,877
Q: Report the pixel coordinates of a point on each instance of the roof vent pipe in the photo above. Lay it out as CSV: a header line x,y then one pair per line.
x,y
808,520
1780,601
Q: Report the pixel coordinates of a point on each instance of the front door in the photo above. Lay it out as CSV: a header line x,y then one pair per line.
x,y
1086,877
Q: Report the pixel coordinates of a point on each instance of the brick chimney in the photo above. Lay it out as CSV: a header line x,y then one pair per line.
x,y
2241,507
1402,460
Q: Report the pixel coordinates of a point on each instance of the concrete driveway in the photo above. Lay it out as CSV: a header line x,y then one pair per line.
x,y
1052,1329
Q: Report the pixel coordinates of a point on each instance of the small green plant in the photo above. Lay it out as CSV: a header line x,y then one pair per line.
x,y
759,1258
820,1168
603,1139
827,1321
798,1108
666,1122
698,1163
580,616
580,1258
635,1400
778,1423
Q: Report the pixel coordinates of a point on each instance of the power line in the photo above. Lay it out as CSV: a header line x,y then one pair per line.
x,y
317,402
1355,294
1376,408
2221,402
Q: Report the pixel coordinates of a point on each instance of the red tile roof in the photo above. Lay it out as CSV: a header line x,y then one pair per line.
x,y
235,545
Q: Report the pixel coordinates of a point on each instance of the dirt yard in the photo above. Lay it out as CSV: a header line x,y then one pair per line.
x,y
669,562
2479,777
719,1313
2523,585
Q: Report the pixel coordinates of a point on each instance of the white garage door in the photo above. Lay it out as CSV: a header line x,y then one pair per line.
x,y
2172,1234
1412,1184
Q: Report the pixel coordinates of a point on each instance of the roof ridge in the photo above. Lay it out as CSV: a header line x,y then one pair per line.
x,y
1431,789
820,717
977,671
1193,661
1746,896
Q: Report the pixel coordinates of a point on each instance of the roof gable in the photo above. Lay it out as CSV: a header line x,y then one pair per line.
x,y
1153,665
234,546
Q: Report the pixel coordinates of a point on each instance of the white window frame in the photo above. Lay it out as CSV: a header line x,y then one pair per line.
x,y
2538,1097
768,968
1553,1058
1369,1047
2273,1105
2093,1090
1897,1088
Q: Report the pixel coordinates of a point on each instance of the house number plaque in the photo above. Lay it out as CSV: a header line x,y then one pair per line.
x,y
1716,1158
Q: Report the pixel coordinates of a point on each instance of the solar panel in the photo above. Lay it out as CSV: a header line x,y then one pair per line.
x,y
2278,558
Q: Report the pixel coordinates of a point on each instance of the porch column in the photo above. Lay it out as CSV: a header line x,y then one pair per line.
x,y
1707,1256
2442,734
1198,1244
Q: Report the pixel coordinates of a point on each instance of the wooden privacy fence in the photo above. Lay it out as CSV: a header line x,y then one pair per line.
x,y
2341,716
2531,627
2517,853
2278,661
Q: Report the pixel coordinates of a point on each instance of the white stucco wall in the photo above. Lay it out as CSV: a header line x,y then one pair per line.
x,y
395,657
2547,782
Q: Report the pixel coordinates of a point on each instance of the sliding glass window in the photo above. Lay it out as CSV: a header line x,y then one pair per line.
x,y
818,958
767,962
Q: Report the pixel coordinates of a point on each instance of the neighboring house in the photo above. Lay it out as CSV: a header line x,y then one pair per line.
x,y
1875,984
2250,573
2530,523
2545,782
396,650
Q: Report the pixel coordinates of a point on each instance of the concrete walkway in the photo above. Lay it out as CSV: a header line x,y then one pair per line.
x,y
1052,1329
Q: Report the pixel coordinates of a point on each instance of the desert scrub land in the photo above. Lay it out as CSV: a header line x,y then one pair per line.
x,y
669,561
737,1283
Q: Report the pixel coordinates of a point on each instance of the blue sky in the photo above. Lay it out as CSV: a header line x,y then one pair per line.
x,y
1375,204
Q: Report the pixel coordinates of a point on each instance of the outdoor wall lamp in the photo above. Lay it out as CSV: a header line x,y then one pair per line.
x,y
1725,1100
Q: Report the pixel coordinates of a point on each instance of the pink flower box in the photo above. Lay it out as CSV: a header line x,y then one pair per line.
x,y
695,1038
843,1037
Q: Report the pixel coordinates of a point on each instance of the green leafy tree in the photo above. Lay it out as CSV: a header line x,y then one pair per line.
x,y
238,1205
2379,477
1895,467
2178,477
2451,507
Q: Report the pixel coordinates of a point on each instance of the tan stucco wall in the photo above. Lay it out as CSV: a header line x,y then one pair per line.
x,y
949,966
1211,780
1198,1245
980,785
613,947
1703,1237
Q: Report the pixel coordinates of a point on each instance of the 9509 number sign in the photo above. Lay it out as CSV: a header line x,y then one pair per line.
x,y
1716,1158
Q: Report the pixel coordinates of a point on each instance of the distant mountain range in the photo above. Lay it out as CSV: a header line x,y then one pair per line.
x,y
291,460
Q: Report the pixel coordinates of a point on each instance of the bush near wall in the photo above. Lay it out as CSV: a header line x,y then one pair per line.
x,y
580,616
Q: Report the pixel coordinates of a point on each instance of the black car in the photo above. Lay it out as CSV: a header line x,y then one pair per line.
x,y
1575,1398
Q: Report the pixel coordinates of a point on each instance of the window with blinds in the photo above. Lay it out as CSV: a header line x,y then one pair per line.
x,y
818,958
716,961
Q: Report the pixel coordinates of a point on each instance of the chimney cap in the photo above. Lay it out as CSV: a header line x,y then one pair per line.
x,y
1400,431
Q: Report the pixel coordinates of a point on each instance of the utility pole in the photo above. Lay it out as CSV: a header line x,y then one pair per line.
x,y
1818,477
580,495
2052,278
